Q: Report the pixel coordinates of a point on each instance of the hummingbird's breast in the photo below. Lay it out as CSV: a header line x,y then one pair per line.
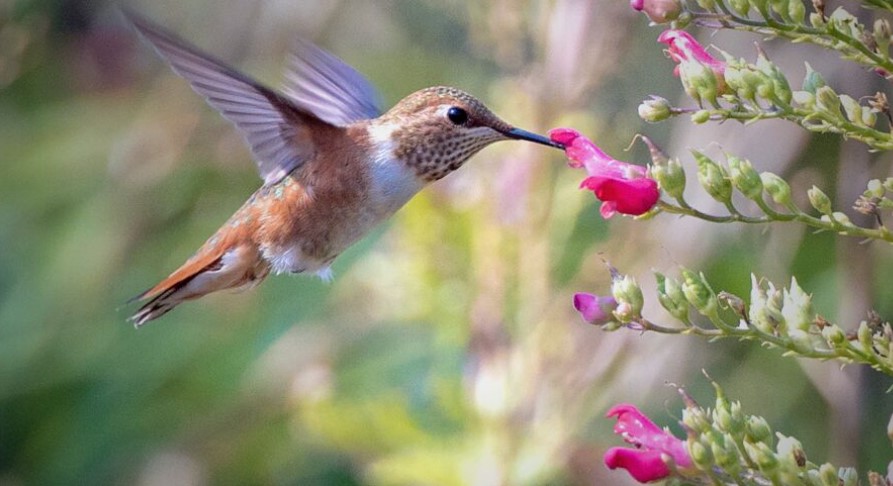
x,y
318,211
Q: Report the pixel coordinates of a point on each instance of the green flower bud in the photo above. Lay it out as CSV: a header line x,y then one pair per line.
x,y
864,335
756,429
838,218
827,101
725,453
655,109
670,178
853,110
881,33
834,335
669,293
813,80
695,418
780,88
761,454
888,184
828,475
874,189
629,298
817,20
796,11
804,99
797,308
698,293
745,178
700,116
700,455
699,82
778,189
819,200
738,418
713,178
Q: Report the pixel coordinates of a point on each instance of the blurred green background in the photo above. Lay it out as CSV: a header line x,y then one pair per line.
x,y
446,351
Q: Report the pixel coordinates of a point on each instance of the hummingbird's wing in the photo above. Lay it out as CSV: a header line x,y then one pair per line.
x,y
271,124
324,85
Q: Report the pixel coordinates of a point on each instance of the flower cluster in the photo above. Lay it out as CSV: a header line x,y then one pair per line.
x,y
656,449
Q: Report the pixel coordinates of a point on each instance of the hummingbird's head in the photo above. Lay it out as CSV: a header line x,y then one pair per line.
x,y
435,130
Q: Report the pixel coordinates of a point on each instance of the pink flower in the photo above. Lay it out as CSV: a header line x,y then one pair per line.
x,y
658,11
683,49
595,309
623,188
655,447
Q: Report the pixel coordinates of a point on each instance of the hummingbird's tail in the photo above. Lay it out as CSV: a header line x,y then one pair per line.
x,y
206,272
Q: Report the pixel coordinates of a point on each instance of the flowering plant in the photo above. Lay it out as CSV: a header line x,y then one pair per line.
x,y
724,445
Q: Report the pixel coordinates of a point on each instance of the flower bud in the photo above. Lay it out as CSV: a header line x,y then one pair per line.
x,y
695,418
828,101
778,188
838,218
819,200
725,453
713,178
760,453
881,33
655,109
797,308
834,335
813,80
804,99
670,296
700,116
756,429
796,11
864,335
670,177
781,89
658,11
629,298
745,178
700,455
828,475
853,110
888,184
874,189
698,293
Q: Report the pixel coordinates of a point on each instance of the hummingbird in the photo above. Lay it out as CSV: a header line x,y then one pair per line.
x,y
333,165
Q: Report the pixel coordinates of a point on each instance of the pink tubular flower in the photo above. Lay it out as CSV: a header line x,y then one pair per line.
x,y
655,447
623,188
658,11
683,48
595,309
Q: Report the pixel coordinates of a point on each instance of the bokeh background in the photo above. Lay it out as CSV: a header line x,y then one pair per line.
x,y
446,351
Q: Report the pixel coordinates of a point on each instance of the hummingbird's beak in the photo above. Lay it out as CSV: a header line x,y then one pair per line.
x,y
519,134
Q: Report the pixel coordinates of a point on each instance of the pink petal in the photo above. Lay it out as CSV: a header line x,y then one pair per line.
x,y
637,429
594,309
579,149
637,4
643,465
633,197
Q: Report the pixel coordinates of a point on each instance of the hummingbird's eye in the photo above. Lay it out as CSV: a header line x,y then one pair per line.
x,y
457,115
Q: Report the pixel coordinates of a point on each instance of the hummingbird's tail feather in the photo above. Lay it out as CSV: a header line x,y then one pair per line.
x,y
227,268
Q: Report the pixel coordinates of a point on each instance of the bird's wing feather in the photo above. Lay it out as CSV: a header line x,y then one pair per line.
x,y
270,123
324,85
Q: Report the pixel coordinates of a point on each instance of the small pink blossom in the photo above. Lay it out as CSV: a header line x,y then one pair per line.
x,y
623,188
658,11
655,447
595,309
683,48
